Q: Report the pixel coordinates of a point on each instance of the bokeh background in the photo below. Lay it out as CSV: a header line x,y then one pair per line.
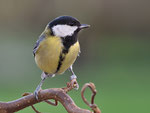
x,y
115,51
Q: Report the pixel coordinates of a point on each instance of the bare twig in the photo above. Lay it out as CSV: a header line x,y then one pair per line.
x,y
47,101
51,103
36,111
91,105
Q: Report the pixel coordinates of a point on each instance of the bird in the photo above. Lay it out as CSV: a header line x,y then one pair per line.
x,y
57,48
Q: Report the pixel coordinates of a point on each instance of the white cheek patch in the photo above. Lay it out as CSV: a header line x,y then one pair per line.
x,y
64,30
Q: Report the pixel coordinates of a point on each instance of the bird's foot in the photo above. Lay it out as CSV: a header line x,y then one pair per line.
x,y
36,92
74,83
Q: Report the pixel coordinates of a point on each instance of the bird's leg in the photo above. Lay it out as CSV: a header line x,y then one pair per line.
x,y
73,79
43,76
38,88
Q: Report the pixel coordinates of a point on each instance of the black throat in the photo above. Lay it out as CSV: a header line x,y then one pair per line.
x,y
68,41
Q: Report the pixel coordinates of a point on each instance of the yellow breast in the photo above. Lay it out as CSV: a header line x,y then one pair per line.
x,y
48,55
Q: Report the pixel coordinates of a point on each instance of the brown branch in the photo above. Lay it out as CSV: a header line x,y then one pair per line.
x,y
93,106
51,103
57,94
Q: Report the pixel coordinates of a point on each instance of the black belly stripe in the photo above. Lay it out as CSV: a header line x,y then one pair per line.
x,y
61,59
67,42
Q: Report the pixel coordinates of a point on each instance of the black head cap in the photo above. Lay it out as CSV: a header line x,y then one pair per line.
x,y
64,20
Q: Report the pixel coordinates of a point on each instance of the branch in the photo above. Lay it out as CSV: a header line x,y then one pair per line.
x,y
93,106
57,94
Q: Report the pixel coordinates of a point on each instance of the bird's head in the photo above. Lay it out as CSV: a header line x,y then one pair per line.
x,y
65,26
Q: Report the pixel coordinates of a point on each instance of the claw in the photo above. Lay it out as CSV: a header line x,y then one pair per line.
x,y
36,92
36,95
77,87
74,84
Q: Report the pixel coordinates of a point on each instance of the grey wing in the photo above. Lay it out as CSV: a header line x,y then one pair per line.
x,y
79,53
41,38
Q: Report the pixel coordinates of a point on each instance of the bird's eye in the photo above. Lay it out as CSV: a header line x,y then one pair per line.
x,y
71,24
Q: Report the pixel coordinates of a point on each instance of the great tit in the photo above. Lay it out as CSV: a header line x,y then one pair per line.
x,y
57,47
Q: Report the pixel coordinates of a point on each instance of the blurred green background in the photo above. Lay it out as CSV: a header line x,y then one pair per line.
x,y
115,51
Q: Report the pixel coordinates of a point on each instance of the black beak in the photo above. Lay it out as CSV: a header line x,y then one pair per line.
x,y
83,26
